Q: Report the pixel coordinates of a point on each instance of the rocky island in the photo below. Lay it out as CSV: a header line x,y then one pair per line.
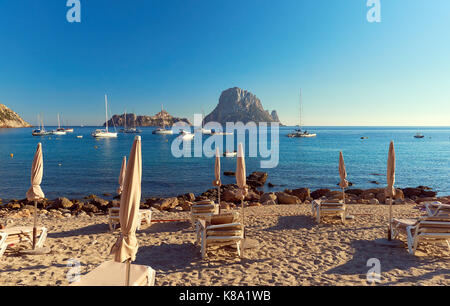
x,y
132,120
236,104
10,119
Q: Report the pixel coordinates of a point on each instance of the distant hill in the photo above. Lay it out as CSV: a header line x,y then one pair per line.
x,y
10,119
236,104
157,120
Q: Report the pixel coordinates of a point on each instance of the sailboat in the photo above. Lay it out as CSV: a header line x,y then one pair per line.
x,y
162,130
202,129
299,132
132,130
59,130
41,130
104,133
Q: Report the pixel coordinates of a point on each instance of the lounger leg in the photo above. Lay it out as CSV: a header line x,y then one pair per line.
x,y
412,243
42,238
238,248
318,214
203,244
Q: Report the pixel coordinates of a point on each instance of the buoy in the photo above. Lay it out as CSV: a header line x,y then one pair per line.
x,y
12,155
95,147
59,165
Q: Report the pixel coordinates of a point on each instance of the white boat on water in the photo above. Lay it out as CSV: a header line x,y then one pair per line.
x,y
299,133
59,130
104,133
186,135
131,130
162,130
41,130
230,154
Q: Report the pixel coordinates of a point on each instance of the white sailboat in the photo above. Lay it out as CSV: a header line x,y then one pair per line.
x,y
202,129
299,132
41,130
162,130
104,133
59,130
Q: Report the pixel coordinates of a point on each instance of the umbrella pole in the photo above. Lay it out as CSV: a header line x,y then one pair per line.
x,y
343,194
128,271
218,196
390,220
242,208
34,225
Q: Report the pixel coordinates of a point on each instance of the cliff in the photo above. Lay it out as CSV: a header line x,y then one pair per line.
x,y
157,120
236,104
10,119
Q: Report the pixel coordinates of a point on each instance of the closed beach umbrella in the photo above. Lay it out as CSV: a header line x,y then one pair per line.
x,y
390,190
217,181
126,246
35,192
241,179
343,175
122,175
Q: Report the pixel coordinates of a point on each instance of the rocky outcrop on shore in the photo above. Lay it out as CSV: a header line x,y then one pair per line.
x,y
230,198
131,120
238,105
10,119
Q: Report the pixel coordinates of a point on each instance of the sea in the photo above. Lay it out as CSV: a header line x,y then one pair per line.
x,y
76,167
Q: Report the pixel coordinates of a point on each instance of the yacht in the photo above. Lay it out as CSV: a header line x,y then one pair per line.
x,y
59,130
186,135
162,130
297,133
418,135
41,130
132,130
104,133
230,154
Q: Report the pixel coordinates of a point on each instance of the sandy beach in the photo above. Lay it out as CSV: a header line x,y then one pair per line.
x,y
293,250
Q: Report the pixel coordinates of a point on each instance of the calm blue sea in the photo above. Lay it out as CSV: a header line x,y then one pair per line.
x,y
77,167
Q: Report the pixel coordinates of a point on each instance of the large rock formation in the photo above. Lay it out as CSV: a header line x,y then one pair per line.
x,y
9,119
156,120
238,105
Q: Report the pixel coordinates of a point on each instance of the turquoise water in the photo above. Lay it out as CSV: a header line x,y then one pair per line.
x,y
77,167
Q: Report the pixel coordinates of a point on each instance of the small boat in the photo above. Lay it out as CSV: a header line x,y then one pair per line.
x,y
186,135
162,130
80,136
418,135
364,137
40,131
126,130
69,130
104,133
230,154
213,132
299,133
59,130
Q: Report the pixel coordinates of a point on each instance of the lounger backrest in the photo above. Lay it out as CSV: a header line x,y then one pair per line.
x,y
434,225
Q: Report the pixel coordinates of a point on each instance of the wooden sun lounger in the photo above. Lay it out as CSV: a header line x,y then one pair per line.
x,y
435,209
221,235
425,228
111,273
320,209
18,234
203,210
145,217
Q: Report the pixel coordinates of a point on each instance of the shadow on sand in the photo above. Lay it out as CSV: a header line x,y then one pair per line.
x,y
93,229
390,258
293,223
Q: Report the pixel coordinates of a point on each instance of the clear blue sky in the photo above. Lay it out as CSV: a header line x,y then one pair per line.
x,y
183,53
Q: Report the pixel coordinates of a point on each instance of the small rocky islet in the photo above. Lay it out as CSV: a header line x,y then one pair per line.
x,y
229,194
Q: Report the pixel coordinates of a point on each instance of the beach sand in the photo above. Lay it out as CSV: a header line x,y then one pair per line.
x,y
293,250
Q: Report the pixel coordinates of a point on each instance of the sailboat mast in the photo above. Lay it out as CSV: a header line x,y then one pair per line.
x,y
58,122
125,124
300,109
106,112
